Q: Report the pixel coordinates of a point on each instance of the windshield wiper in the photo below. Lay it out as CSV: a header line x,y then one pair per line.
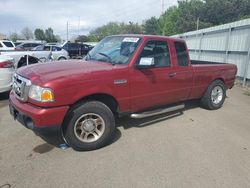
x,y
108,57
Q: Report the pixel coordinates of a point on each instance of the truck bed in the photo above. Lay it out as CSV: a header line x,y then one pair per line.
x,y
206,71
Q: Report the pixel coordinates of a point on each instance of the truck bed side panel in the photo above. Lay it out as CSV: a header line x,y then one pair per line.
x,y
205,74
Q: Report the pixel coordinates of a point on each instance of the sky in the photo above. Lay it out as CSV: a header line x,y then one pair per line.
x,y
83,14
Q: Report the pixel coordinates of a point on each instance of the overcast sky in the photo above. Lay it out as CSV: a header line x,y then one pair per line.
x,y
17,14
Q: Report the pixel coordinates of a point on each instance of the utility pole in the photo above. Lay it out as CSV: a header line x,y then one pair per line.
x,y
197,23
162,6
67,31
78,26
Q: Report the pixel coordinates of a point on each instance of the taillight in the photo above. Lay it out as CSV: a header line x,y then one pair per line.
x,y
6,64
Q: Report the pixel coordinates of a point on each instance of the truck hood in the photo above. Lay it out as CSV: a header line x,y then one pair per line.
x,y
42,73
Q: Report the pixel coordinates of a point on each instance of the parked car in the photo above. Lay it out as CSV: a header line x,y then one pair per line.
x,y
6,45
76,50
31,57
6,72
135,75
27,46
57,52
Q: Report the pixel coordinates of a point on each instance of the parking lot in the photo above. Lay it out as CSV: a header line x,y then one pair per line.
x,y
193,148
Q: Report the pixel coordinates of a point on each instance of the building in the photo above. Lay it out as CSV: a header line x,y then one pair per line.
x,y
2,36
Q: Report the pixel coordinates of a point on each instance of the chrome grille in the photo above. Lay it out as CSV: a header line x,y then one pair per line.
x,y
21,87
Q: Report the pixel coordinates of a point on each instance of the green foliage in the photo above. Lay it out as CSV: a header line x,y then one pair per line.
x,y
82,38
224,11
168,22
114,28
150,26
192,14
39,34
14,37
47,35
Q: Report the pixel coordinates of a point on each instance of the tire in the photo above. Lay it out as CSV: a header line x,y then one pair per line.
x,y
61,58
215,95
89,126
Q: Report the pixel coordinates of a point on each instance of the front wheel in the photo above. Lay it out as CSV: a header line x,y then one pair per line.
x,y
90,126
215,95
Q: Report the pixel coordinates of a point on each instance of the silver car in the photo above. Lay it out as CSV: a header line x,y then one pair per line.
x,y
57,52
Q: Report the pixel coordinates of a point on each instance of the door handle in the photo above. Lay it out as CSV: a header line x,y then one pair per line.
x,y
172,74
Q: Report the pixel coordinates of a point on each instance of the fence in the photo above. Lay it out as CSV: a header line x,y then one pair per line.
x,y
228,43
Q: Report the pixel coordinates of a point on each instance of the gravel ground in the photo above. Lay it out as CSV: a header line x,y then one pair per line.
x,y
193,148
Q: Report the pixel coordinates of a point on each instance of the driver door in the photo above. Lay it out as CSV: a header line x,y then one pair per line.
x,y
151,86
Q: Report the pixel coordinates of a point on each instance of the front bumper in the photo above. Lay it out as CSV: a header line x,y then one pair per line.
x,y
40,120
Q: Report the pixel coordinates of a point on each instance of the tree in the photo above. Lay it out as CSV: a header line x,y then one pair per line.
x,y
14,37
132,28
49,35
168,22
114,28
27,33
150,26
224,11
82,38
39,34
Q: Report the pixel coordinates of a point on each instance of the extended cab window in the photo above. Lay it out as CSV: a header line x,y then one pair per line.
x,y
182,54
157,50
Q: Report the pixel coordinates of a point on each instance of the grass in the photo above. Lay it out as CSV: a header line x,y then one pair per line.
x,y
247,93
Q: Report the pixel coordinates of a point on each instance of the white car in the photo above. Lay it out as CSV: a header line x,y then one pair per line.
x,y
6,72
18,56
6,45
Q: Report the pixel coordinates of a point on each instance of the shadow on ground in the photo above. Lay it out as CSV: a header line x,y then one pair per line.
x,y
127,122
4,96
52,141
4,99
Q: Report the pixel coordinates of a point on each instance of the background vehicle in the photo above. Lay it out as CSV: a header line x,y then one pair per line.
x,y
17,43
6,73
136,75
57,52
6,45
27,46
19,56
76,50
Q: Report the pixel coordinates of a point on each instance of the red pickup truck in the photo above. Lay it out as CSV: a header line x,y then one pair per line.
x,y
136,75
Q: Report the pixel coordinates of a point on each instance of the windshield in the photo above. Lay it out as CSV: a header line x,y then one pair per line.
x,y
8,44
38,48
114,49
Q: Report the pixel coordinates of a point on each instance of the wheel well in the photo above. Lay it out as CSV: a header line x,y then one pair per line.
x,y
221,79
108,100
62,57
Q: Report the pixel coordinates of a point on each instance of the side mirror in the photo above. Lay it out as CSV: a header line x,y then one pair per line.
x,y
146,62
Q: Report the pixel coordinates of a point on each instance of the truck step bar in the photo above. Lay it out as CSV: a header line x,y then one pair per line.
x,y
157,111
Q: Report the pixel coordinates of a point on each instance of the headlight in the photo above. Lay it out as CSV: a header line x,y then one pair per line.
x,y
41,94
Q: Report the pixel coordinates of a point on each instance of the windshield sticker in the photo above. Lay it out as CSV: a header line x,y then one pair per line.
x,y
130,39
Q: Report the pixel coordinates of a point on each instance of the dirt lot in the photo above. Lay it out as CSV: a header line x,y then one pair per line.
x,y
193,148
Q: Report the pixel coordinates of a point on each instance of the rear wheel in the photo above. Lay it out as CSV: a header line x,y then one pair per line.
x,y
215,96
90,126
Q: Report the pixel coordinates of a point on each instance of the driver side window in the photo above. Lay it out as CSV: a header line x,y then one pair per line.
x,y
157,50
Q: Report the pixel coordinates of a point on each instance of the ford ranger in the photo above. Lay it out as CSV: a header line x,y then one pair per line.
x,y
133,75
